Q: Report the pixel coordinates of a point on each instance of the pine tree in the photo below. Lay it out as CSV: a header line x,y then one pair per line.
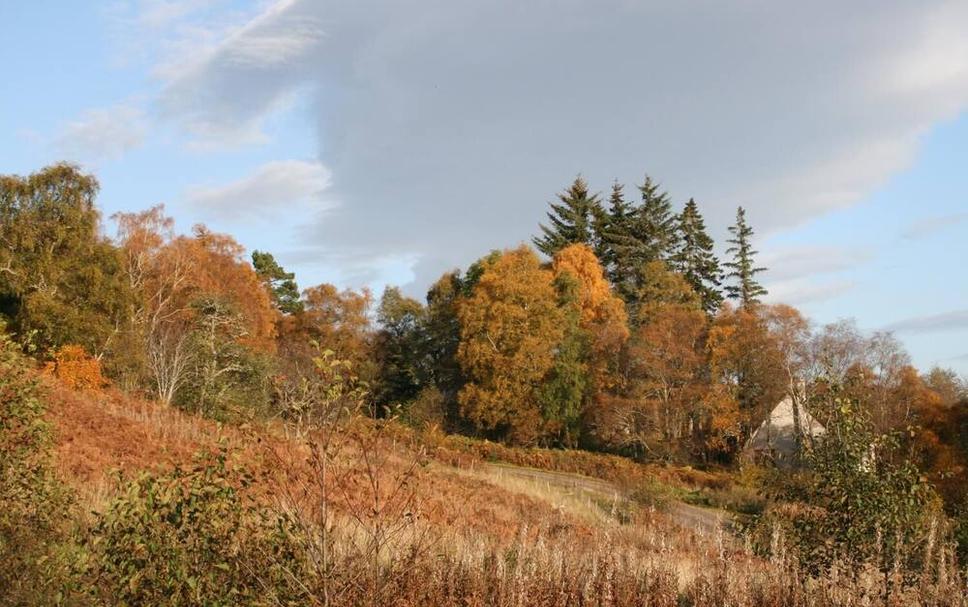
x,y
653,229
613,233
281,284
742,268
694,257
571,220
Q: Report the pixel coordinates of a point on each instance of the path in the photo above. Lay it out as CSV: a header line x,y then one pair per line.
x,y
707,521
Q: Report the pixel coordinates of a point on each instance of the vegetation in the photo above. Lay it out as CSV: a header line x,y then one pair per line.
x,y
351,462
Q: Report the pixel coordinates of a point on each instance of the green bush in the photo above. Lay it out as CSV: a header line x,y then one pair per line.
x,y
191,538
35,509
858,499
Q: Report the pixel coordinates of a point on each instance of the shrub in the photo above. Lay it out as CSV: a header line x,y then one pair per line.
x,y
76,369
191,538
34,507
860,499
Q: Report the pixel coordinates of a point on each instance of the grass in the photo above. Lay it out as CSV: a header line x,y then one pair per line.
x,y
477,533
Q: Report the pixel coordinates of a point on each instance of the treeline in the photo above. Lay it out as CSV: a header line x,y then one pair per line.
x,y
631,337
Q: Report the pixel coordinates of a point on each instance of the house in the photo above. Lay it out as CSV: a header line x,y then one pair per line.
x,y
779,438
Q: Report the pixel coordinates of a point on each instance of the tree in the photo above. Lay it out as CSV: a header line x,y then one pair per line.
x,y
571,220
222,371
654,225
742,268
596,329
658,287
510,327
613,232
694,258
281,284
667,363
401,348
442,327
746,359
61,282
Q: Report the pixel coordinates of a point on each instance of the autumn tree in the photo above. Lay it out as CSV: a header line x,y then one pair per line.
x,y
742,267
281,284
510,328
694,257
595,329
658,286
332,320
571,220
172,276
61,281
746,359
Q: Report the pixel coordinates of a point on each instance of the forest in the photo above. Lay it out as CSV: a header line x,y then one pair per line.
x,y
616,333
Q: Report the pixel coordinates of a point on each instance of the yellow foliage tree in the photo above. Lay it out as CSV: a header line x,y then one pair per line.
x,y
510,326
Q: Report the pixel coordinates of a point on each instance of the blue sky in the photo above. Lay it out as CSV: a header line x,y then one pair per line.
x,y
382,141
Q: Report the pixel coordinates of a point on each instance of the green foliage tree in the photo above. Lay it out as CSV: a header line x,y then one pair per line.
x,y
613,230
225,377
742,268
563,392
401,347
60,280
654,227
571,220
281,284
694,257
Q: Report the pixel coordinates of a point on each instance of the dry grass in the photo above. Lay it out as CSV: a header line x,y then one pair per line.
x,y
486,536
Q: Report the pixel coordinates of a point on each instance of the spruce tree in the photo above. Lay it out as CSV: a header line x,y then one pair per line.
x,y
742,268
281,284
694,257
571,220
653,229
613,235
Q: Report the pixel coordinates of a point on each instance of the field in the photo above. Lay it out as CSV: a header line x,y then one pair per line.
x,y
414,518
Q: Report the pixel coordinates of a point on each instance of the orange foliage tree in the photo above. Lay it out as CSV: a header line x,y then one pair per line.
x,y
602,313
510,326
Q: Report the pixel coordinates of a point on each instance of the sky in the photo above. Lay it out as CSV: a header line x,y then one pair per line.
x,y
374,142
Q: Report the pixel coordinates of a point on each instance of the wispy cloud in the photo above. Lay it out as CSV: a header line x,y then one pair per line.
x,y
945,321
801,262
802,291
931,225
270,189
102,134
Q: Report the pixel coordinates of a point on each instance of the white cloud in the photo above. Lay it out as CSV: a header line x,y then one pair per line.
x,y
801,291
102,134
451,124
945,321
801,262
271,188
931,225
222,82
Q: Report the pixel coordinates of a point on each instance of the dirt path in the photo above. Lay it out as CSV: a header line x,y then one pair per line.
x,y
707,521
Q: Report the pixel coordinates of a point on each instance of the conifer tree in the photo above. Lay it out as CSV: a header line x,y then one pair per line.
x,y
742,268
653,229
694,257
281,284
613,233
571,220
